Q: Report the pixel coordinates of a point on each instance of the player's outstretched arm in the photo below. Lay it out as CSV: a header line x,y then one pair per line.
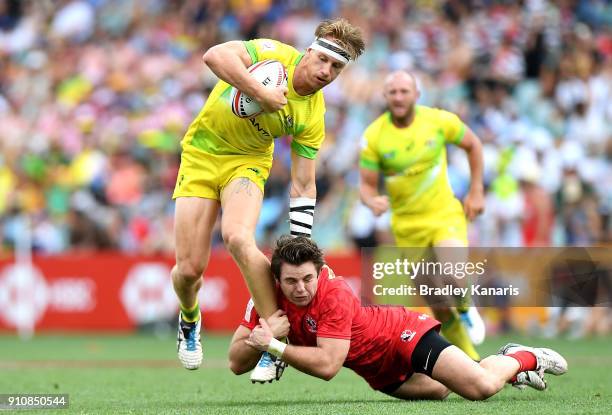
x,y
323,361
303,195
473,203
242,357
302,177
368,191
229,61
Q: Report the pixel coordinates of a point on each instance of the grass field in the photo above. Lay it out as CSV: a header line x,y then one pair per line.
x,y
139,374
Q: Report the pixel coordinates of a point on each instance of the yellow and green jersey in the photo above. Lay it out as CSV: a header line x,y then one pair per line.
x,y
413,160
216,130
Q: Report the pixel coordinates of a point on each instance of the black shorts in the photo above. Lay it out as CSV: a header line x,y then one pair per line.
x,y
424,356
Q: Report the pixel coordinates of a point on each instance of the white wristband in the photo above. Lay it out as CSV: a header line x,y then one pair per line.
x,y
301,216
277,347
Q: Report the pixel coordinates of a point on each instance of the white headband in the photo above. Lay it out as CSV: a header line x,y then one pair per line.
x,y
331,49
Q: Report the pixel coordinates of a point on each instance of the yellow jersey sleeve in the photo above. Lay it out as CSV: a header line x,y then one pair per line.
x,y
452,127
264,49
306,143
369,157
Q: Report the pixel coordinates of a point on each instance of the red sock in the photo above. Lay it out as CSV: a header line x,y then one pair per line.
x,y
526,360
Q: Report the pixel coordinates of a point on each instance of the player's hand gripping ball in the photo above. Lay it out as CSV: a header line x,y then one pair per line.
x,y
270,73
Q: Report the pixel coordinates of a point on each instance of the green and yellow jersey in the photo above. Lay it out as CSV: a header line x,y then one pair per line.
x,y
216,130
413,163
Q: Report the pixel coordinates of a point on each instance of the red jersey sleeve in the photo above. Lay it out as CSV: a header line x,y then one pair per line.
x,y
336,314
251,318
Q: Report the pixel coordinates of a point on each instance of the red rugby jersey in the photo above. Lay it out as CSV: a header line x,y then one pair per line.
x,y
376,332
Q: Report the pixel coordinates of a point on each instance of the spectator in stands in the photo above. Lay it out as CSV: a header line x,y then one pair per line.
x,y
82,81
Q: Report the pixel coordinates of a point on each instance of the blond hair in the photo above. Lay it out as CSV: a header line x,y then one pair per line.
x,y
346,35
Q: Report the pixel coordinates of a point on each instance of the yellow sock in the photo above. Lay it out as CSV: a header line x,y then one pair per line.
x,y
455,333
190,315
463,303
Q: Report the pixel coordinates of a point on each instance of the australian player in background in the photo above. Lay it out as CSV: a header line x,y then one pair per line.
x,y
397,351
226,160
407,146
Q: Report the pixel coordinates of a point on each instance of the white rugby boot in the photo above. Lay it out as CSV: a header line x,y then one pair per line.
x,y
188,344
268,369
548,361
474,325
530,378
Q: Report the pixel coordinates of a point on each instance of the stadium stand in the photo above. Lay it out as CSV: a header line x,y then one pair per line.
x,y
96,94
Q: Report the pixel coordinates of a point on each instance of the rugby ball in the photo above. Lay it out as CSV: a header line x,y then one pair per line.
x,y
271,73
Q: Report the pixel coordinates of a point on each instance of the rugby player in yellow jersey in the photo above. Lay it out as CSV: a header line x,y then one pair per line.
x,y
226,160
407,145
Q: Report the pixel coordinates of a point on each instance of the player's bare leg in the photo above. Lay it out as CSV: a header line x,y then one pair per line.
x,y
470,379
420,386
479,381
454,250
241,203
452,328
454,371
194,221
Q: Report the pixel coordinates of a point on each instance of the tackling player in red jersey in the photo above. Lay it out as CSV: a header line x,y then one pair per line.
x,y
397,351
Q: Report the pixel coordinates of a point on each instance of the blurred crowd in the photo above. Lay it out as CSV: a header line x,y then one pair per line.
x,y
95,96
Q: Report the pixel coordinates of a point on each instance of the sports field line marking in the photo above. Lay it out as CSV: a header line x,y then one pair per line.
x,y
106,364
